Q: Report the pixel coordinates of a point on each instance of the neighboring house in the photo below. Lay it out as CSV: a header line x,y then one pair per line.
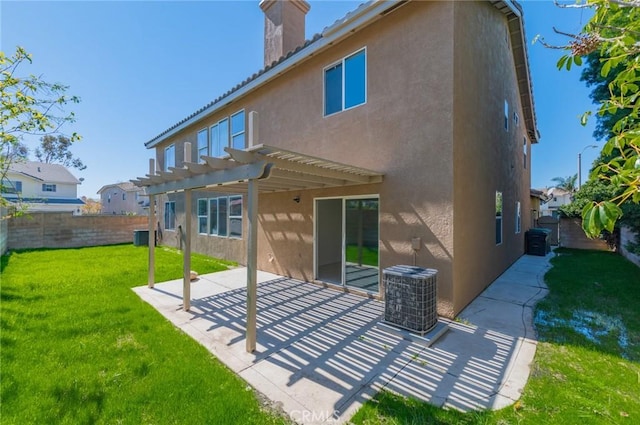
x,y
42,187
538,198
556,198
400,135
123,198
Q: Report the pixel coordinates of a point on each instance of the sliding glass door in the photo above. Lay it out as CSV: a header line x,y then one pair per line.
x,y
346,250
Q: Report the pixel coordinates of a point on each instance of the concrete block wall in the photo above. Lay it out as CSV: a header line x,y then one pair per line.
x,y
64,230
626,236
572,236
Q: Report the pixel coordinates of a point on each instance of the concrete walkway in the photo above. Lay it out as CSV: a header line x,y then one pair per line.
x,y
321,355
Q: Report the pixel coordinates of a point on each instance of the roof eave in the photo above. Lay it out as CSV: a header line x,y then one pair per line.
x,y
519,48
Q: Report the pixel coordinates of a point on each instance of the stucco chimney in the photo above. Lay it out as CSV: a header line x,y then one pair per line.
x,y
283,27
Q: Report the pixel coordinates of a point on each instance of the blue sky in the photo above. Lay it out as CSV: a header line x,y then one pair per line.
x,y
139,67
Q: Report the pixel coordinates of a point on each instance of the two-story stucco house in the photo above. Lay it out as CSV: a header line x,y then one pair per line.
x,y
399,135
123,198
42,187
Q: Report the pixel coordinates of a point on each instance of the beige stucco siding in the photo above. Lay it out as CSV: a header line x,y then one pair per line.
x,y
404,131
487,157
438,74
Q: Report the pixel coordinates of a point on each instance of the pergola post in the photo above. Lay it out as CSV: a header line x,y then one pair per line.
x,y
252,264
186,270
151,226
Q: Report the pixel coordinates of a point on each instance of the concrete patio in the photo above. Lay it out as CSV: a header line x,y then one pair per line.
x,y
321,355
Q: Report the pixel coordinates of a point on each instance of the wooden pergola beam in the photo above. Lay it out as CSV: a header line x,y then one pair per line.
x,y
198,168
300,177
218,163
180,173
249,157
241,173
155,178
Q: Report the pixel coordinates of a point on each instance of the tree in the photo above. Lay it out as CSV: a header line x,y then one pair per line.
x,y
55,149
600,88
614,33
592,190
566,183
28,106
91,206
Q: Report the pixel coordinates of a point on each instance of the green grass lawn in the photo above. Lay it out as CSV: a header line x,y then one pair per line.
x,y
587,366
369,255
79,347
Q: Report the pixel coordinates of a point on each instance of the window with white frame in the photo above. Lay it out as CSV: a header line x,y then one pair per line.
x,y
213,216
203,216
225,216
48,187
498,218
219,134
516,119
169,157
518,222
235,216
214,141
524,151
203,144
506,115
170,215
9,186
124,196
237,130
345,83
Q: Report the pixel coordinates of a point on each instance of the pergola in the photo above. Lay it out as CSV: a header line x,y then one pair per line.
x,y
257,169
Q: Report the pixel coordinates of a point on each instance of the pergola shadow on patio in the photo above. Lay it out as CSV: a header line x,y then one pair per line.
x,y
321,355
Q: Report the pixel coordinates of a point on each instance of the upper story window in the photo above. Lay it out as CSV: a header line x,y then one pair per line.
x,y
516,119
169,157
506,115
524,151
219,134
345,83
228,132
124,196
518,218
203,144
46,187
237,130
498,218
